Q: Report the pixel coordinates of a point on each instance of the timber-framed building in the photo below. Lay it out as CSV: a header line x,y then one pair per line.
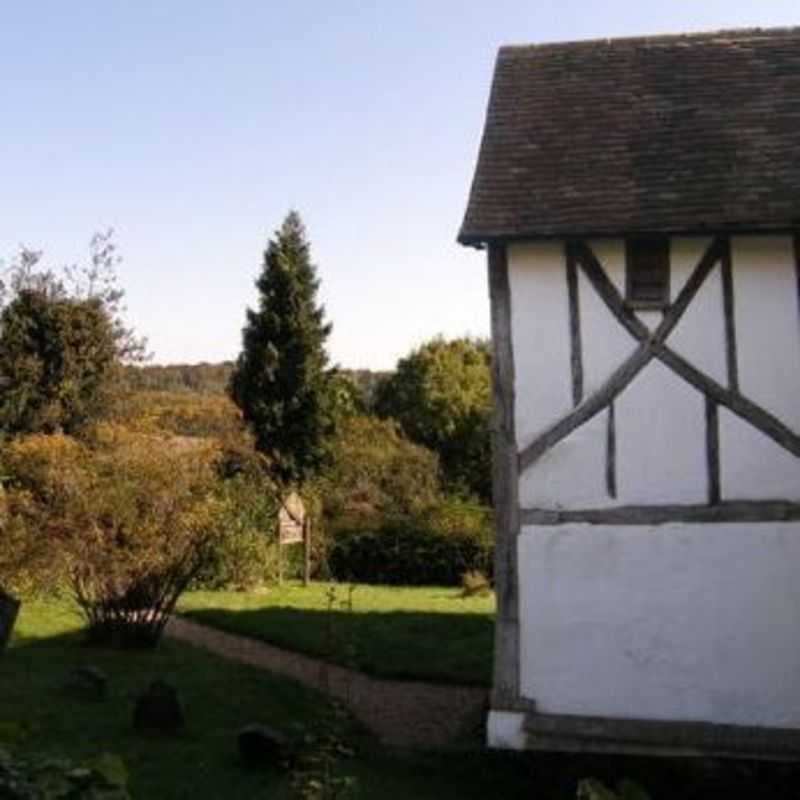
x,y
639,201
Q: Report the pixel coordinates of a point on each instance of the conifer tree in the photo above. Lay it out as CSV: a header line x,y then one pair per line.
x,y
281,380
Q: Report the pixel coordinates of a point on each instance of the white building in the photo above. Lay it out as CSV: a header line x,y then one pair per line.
x,y
640,203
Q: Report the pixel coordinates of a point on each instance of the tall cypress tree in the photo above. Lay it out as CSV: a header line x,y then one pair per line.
x,y
281,381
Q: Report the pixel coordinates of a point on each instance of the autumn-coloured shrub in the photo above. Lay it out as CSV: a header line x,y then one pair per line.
x,y
129,518
377,471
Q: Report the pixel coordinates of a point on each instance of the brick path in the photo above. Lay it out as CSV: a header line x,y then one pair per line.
x,y
401,713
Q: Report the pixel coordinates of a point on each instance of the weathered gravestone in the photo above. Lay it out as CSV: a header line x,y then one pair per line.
x,y
9,608
158,709
87,683
262,746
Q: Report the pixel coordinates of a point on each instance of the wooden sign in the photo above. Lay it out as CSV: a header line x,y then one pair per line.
x,y
291,520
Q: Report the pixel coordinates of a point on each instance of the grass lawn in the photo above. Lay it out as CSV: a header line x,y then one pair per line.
x,y
219,697
429,633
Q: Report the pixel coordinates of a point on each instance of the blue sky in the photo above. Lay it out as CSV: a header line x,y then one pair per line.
x,y
192,127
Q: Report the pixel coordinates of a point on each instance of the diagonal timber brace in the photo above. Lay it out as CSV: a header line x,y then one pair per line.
x,y
652,345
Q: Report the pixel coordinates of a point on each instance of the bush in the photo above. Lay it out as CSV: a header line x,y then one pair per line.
x,y
433,548
375,470
42,778
129,519
441,396
245,553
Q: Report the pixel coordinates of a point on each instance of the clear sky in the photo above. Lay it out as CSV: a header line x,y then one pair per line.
x,y
192,126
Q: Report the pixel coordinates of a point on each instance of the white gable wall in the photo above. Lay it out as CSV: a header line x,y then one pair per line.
x,y
678,621
660,418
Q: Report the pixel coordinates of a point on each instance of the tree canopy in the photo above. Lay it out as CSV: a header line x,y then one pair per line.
x,y
61,340
441,396
281,380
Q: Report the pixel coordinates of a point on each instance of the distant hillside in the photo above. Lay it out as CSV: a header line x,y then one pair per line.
x,y
205,378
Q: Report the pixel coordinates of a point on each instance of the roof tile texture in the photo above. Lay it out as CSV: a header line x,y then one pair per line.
x,y
675,133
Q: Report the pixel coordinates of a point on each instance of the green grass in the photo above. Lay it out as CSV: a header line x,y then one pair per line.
x,y
429,633
219,697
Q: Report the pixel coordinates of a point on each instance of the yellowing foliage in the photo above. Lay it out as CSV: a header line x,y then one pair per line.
x,y
128,516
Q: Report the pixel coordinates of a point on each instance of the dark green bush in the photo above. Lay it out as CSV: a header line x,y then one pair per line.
x,y
44,778
433,548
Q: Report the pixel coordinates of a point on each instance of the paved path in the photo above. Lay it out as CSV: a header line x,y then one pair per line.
x,y
401,713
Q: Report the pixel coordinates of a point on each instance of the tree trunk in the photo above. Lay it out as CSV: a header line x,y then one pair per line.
x,y
9,608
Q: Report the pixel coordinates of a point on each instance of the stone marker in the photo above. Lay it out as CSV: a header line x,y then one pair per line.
x,y
87,683
260,745
158,709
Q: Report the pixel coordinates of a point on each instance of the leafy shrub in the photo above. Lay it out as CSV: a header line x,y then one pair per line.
x,y
245,553
41,778
375,470
434,548
129,519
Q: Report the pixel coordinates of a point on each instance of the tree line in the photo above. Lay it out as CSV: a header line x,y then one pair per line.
x,y
93,443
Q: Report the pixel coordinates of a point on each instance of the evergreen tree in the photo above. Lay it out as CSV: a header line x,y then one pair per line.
x,y
281,381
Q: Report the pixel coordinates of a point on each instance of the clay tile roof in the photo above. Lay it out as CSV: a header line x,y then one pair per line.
x,y
670,133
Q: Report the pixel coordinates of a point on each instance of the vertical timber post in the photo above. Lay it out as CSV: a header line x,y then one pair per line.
x,y
306,550
280,554
505,487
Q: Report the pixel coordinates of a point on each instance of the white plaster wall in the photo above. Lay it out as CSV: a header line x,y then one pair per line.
x,y
671,622
540,333
661,452
605,343
572,474
752,466
768,324
700,335
685,253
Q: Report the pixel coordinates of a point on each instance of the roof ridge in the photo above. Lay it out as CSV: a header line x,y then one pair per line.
x,y
737,34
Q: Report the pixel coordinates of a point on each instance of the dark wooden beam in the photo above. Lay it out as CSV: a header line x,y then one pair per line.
x,y
611,453
712,450
730,511
796,238
659,737
505,487
576,354
730,319
750,412
621,377
592,405
651,345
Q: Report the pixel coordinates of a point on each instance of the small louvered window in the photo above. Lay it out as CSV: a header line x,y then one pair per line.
x,y
647,271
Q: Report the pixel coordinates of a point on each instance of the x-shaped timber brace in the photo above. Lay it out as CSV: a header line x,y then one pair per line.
x,y
652,345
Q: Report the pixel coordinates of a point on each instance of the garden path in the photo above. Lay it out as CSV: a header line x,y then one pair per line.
x,y
401,713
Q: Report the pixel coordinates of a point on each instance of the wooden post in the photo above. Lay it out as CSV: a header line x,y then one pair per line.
x,y
280,555
9,608
306,550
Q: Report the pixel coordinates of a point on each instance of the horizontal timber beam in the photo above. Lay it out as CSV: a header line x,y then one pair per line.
x,y
733,511
659,737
